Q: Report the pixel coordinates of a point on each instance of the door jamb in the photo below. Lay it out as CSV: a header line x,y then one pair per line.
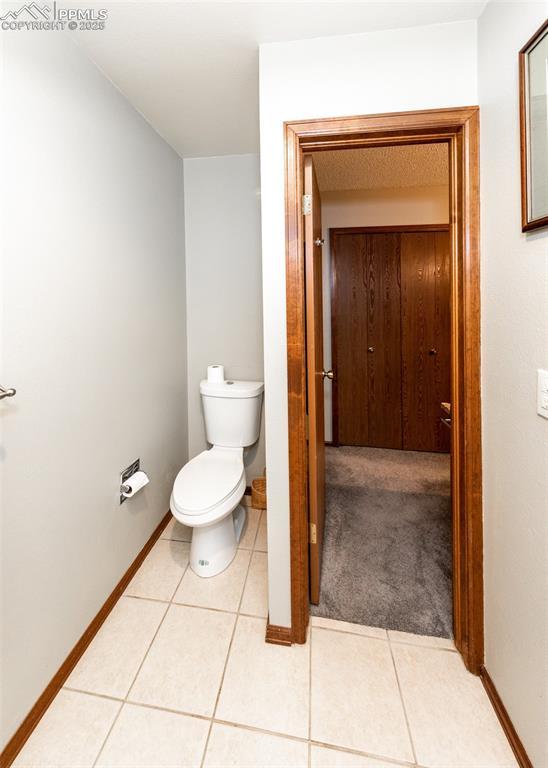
x,y
459,128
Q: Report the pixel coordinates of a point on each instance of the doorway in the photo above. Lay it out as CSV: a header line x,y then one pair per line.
x,y
386,559
458,129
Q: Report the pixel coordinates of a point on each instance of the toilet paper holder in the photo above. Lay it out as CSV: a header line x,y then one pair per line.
x,y
134,472
134,484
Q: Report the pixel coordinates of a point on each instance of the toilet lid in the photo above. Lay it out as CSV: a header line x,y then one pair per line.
x,y
207,480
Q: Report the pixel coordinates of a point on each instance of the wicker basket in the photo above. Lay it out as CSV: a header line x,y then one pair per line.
x,y
258,493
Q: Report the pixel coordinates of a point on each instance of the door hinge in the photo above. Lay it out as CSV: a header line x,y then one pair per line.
x,y
307,205
313,538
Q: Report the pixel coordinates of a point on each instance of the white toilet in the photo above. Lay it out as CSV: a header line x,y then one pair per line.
x,y
207,491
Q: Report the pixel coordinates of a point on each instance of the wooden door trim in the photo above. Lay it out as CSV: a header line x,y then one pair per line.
x,y
459,128
505,721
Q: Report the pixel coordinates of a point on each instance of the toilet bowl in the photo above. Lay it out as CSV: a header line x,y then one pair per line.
x,y
208,490
206,496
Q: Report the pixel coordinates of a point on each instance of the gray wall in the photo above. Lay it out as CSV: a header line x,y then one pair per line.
x,y
93,337
514,344
223,262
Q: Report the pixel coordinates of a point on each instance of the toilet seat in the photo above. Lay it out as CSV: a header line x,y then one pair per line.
x,y
207,481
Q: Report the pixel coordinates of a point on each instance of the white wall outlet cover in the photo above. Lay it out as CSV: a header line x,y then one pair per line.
x,y
542,393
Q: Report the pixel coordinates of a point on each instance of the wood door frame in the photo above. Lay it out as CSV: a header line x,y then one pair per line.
x,y
459,128
370,230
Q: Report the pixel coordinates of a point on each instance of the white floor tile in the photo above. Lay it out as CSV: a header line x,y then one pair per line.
x,y
184,666
223,591
424,640
265,686
345,626
160,574
238,747
151,738
261,540
355,697
111,661
177,531
255,599
71,732
248,539
452,722
324,757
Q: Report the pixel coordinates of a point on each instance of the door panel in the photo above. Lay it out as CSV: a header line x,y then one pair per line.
x,y
366,338
314,352
349,339
426,346
383,340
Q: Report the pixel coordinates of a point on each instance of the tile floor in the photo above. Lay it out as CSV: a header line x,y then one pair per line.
x,y
179,675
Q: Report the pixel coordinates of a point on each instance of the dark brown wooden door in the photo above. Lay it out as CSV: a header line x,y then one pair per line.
x,y
314,353
366,338
391,337
426,338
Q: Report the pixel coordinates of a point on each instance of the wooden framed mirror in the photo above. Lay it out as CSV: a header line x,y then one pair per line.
x,y
533,78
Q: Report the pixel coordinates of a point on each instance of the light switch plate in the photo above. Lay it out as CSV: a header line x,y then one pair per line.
x,y
542,393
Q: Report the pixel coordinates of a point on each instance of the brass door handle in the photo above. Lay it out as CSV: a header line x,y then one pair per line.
x,y
432,351
328,375
370,350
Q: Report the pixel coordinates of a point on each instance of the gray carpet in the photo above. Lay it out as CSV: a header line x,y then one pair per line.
x,y
387,550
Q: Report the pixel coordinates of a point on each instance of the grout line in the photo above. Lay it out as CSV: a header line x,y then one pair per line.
x,y
245,727
385,639
260,517
133,703
204,607
181,712
194,605
349,632
206,745
147,599
265,731
93,693
403,704
168,604
142,660
130,687
422,645
315,742
371,755
252,615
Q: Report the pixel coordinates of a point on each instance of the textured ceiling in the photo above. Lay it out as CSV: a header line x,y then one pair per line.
x,y
417,165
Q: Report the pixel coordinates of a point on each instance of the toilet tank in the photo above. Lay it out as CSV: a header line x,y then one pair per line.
x,y
232,412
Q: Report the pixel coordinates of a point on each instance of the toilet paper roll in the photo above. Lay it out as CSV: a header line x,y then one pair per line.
x,y
136,481
216,373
